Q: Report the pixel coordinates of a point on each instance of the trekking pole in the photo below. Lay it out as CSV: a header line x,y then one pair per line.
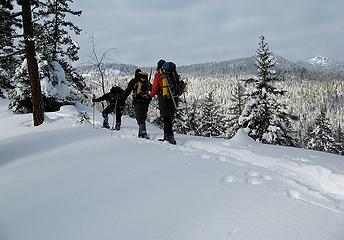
x,y
114,115
173,100
94,96
150,75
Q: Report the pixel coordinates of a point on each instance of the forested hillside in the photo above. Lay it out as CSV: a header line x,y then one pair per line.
x,y
310,87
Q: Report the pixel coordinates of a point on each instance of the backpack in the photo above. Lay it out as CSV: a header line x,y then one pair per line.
x,y
142,86
171,83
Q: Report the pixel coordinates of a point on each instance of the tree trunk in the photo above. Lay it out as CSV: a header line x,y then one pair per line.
x,y
36,94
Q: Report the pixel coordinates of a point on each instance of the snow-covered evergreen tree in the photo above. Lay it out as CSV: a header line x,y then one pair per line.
x,y
8,50
321,136
339,139
181,121
60,83
211,120
264,117
20,96
238,100
55,42
186,119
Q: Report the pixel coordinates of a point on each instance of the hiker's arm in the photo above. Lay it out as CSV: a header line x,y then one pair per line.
x,y
102,98
128,90
156,85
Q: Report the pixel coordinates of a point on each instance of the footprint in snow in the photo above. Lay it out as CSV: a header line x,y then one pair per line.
x,y
229,179
231,233
222,159
205,156
293,194
253,174
253,181
267,177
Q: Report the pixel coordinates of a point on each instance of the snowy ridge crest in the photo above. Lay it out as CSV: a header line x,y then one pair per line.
x,y
321,61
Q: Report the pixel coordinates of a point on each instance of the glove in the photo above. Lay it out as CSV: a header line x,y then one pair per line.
x,y
147,97
121,99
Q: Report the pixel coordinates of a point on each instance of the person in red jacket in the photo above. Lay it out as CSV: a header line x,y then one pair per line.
x,y
166,104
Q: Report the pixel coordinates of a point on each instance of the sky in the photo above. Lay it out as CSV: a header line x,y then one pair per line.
x,y
197,31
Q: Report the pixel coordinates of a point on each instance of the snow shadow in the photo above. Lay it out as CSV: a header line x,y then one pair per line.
x,y
18,147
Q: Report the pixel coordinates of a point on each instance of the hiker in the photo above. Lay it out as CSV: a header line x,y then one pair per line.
x,y
140,86
115,104
165,85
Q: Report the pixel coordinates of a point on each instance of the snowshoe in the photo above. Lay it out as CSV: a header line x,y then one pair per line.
x,y
143,135
170,139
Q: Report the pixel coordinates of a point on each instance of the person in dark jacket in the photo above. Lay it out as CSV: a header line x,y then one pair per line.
x,y
140,86
115,103
166,105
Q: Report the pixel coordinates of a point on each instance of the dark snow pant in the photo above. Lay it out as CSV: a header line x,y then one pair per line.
x,y
141,109
168,125
110,109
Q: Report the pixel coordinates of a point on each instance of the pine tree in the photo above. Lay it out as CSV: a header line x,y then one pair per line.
x,y
238,100
339,139
321,137
20,96
54,40
56,43
264,117
8,62
181,122
212,120
55,50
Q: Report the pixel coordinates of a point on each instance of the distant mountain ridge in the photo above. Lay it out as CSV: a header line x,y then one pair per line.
x,y
318,68
322,61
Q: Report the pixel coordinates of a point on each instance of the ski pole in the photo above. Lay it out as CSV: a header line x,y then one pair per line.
x,y
173,100
114,115
150,75
94,96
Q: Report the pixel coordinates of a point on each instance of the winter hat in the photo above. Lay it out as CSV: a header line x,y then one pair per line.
x,y
143,75
114,89
160,63
136,72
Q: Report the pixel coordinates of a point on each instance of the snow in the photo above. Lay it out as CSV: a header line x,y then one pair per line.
x,y
63,180
56,84
321,61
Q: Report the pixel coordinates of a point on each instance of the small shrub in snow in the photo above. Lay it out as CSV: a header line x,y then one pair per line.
x,y
82,118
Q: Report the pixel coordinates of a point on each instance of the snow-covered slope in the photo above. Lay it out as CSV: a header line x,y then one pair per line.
x,y
321,61
63,180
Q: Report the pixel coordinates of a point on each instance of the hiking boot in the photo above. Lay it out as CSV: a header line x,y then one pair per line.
x,y
170,139
106,125
143,135
142,131
118,126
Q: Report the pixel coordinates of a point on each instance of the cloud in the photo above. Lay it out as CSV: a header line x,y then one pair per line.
x,y
201,31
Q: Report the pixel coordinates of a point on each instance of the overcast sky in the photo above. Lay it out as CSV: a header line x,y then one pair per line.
x,y
197,31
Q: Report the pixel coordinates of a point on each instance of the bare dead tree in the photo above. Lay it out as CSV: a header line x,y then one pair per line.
x,y
98,62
